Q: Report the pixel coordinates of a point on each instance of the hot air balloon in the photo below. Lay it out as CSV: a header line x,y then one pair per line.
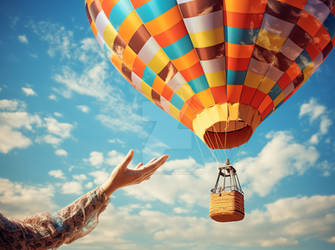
x,y
220,67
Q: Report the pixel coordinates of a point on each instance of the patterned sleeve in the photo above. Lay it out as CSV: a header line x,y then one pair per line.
x,y
45,231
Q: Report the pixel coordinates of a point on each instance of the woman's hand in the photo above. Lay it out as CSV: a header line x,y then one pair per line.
x,y
123,176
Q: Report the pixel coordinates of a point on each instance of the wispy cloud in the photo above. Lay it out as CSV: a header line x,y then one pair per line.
x,y
61,152
83,108
23,39
29,91
316,111
89,73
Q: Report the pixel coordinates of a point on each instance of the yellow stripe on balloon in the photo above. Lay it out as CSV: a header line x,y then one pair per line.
x,y
129,26
207,38
252,79
266,85
270,41
185,92
109,35
174,112
159,61
206,98
216,79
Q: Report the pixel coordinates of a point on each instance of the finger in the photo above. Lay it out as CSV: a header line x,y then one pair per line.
x,y
152,167
127,159
139,165
152,160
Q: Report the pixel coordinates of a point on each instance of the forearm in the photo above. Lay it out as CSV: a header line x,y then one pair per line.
x,y
46,231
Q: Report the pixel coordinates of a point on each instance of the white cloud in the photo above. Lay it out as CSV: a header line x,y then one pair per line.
x,y
99,176
23,39
29,91
10,139
117,141
79,177
61,152
56,131
83,108
12,124
96,158
59,39
58,174
285,222
52,97
63,130
280,157
9,105
57,114
312,109
18,200
315,111
114,158
72,187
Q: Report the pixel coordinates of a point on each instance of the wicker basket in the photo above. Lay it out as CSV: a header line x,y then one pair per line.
x,y
227,206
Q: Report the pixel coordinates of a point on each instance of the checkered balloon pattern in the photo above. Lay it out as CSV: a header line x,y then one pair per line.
x,y
220,67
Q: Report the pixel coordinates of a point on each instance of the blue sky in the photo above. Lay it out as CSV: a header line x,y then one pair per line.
x,y
67,118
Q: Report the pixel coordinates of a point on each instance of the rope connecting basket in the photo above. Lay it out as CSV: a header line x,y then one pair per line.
x,y
227,201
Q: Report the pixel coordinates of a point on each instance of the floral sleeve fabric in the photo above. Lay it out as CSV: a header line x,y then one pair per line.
x,y
45,231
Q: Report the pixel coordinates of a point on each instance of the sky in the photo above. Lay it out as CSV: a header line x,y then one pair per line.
x,y
67,118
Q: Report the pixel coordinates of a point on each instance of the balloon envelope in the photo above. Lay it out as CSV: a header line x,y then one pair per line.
x,y
220,67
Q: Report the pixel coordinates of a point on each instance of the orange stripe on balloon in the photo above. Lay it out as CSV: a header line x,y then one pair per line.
x,y
219,94
265,103
237,63
129,26
312,50
186,121
267,110
243,20
284,81
139,67
247,94
138,3
167,93
322,38
293,71
158,85
195,104
107,6
296,3
129,57
186,61
94,29
309,23
238,50
234,93
193,72
171,35
164,21
245,6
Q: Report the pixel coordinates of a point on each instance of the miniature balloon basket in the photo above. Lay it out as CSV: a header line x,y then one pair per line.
x,y
227,201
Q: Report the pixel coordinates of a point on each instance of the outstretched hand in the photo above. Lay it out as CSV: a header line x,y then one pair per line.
x,y
123,176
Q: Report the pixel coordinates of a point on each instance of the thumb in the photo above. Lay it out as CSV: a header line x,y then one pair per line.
x,y
127,159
